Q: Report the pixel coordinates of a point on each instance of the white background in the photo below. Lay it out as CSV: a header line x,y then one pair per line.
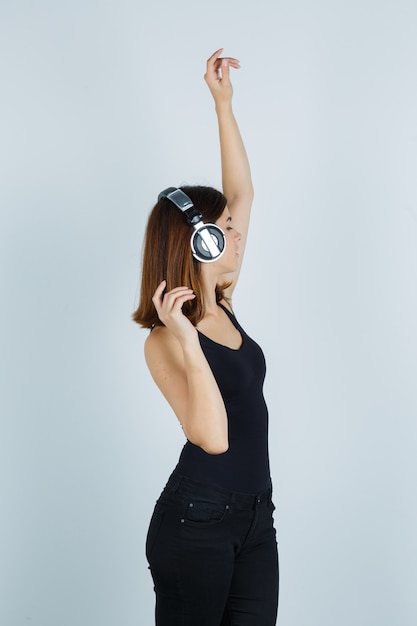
x,y
103,105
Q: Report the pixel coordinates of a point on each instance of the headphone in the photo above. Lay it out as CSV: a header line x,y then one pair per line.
x,y
208,241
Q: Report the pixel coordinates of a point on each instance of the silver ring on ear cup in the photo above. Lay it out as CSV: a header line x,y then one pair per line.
x,y
208,243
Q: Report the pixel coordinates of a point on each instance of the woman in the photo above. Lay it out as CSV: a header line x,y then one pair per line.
x,y
211,543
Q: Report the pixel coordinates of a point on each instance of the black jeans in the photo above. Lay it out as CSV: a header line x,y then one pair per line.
x,y
213,556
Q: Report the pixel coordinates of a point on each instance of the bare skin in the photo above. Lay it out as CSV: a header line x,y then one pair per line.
x,y
173,353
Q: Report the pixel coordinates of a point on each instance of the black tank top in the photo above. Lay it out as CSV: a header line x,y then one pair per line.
x,y
240,375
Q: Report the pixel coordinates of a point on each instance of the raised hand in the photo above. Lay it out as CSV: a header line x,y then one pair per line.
x,y
217,76
169,309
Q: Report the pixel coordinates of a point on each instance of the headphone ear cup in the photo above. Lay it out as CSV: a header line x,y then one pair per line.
x,y
205,250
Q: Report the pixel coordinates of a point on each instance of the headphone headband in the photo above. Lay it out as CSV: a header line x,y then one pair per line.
x,y
208,241
183,202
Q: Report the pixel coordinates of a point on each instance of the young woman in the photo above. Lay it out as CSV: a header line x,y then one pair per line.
x,y
211,543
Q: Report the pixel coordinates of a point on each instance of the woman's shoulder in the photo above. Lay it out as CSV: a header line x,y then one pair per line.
x,y
158,337
161,343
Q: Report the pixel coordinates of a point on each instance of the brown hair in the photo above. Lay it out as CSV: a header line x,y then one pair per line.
x,y
167,254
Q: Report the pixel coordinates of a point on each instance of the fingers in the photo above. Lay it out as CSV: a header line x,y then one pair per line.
x,y
230,62
225,68
214,56
157,296
218,67
172,302
215,60
174,299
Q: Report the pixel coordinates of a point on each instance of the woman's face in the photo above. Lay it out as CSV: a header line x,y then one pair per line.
x,y
229,260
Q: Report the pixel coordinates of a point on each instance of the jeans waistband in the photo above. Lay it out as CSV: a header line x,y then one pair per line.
x,y
182,485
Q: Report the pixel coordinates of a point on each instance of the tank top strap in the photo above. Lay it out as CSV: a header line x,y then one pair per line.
x,y
230,315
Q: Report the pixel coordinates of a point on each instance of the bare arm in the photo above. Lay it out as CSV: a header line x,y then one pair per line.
x,y
236,175
181,371
173,352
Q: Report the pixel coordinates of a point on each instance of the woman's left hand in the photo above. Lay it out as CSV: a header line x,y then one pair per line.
x,y
217,76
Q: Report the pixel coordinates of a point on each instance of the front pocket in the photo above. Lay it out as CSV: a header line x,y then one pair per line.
x,y
204,513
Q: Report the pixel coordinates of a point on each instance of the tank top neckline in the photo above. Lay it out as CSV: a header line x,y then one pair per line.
x,y
235,324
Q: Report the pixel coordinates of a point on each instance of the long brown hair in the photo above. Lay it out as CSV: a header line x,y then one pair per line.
x,y
167,254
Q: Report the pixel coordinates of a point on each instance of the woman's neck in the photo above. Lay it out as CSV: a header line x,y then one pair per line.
x,y
209,284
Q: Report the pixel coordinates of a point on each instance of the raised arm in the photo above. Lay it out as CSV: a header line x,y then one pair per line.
x,y
236,175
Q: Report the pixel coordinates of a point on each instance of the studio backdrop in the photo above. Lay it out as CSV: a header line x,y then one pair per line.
x,y
103,105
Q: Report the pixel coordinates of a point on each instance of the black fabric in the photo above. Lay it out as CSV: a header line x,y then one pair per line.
x,y
240,375
213,556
